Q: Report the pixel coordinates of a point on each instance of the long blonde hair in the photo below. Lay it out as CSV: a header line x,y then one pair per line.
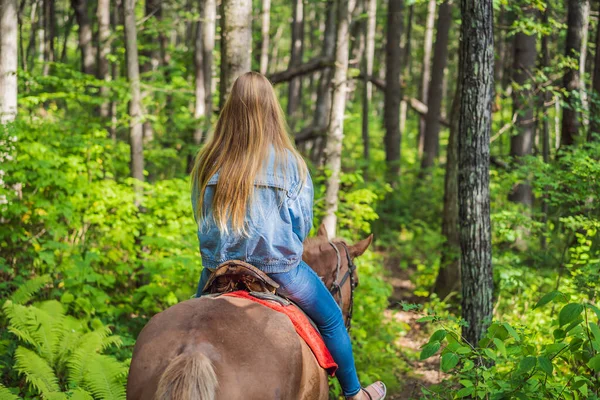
x,y
250,122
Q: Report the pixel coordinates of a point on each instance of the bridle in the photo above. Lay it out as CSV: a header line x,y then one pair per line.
x,y
336,287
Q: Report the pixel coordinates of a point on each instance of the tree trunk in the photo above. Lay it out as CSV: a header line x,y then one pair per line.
x,y
104,47
116,21
49,33
448,279
371,10
426,75
335,133
8,60
393,90
295,85
406,55
135,104
594,132
477,66
34,17
208,46
436,88
200,89
578,14
88,58
521,144
236,42
545,99
265,25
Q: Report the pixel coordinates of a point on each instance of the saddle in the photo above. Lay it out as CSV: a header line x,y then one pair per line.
x,y
234,275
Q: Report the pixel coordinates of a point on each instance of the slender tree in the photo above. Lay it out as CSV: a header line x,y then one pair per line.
x,y
370,26
335,133
265,18
104,49
236,42
49,34
426,69
208,46
521,144
436,88
477,66
88,58
200,89
8,60
135,104
577,21
393,90
295,85
594,132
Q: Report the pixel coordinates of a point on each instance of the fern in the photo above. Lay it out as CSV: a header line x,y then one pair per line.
x,y
37,371
6,394
26,291
104,377
80,394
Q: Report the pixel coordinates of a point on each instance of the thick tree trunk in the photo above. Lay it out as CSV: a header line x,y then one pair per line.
x,y
135,104
426,75
335,133
236,42
477,66
578,15
393,90
8,60
594,132
265,18
371,9
88,58
406,54
116,21
104,47
521,144
49,34
295,85
448,279
436,88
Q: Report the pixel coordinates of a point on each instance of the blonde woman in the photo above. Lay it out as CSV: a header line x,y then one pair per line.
x,y
253,199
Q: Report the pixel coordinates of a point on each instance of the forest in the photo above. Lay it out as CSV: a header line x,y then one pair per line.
x,y
464,134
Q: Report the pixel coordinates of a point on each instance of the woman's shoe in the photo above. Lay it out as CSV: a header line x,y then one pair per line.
x,y
375,391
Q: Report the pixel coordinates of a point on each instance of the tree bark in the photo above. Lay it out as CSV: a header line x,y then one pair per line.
x,y
448,279
335,134
521,144
578,14
8,60
477,66
116,20
208,47
393,90
594,132
135,104
295,85
104,48
34,17
236,42
436,89
426,75
49,34
265,25
371,9
88,58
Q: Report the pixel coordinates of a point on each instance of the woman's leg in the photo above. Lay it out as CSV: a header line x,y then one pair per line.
x,y
305,288
203,279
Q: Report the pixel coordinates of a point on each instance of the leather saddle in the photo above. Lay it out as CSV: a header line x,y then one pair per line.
x,y
234,275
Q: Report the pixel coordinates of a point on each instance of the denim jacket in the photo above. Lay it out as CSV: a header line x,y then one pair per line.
x,y
279,218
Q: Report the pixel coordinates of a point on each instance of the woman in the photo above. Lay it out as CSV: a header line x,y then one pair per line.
x,y
253,198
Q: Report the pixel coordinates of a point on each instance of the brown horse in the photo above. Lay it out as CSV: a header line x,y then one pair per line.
x,y
228,348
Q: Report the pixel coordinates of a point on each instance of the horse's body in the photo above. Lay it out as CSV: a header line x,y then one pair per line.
x,y
228,348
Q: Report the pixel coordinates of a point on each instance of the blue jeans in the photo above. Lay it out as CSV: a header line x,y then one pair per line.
x,y
303,286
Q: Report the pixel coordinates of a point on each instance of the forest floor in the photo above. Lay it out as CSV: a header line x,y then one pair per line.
x,y
417,374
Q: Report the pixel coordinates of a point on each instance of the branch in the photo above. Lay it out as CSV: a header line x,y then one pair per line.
x,y
311,66
309,133
379,83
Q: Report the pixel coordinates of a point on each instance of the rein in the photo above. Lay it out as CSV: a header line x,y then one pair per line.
x,y
337,285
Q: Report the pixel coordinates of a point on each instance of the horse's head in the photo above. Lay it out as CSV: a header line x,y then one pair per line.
x,y
332,260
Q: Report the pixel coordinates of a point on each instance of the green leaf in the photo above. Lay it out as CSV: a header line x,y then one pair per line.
x,y
438,336
26,290
512,332
429,350
527,364
463,350
500,346
449,361
469,365
549,297
464,392
545,365
569,313
6,394
594,363
426,319
466,383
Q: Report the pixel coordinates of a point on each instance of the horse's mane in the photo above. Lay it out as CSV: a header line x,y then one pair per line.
x,y
315,242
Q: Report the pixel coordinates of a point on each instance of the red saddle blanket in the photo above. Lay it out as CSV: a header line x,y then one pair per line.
x,y
303,327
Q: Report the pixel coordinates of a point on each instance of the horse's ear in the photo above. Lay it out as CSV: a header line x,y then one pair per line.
x,y
322,232
359,248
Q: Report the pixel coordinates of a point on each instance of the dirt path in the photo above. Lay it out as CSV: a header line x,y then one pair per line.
x,y
419,374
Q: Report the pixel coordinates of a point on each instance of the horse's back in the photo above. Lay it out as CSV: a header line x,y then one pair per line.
x,y
254,351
